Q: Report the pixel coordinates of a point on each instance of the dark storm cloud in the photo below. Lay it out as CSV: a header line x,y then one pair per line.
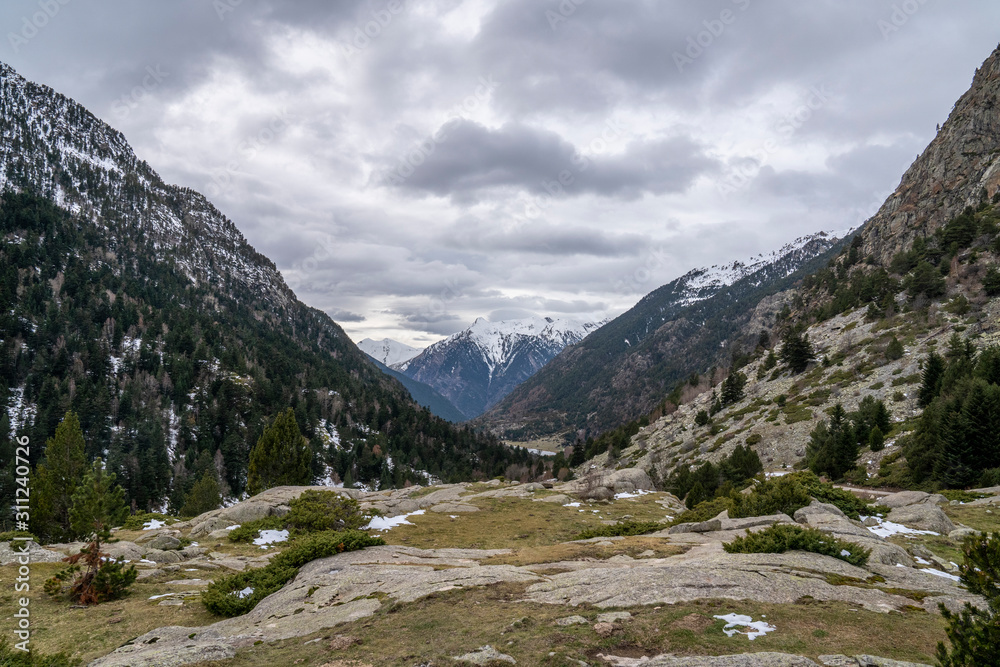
x,y
464,157
540,237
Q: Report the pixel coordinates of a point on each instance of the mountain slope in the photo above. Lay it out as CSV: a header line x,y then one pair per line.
x,y
141,307
476,368
388,352
424,395
629,365
920,279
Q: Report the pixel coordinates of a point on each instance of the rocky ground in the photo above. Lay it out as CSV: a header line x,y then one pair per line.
x,y
538,597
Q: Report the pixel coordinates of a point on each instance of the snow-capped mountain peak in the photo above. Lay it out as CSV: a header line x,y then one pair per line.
x,y
478,366
700,284
388,351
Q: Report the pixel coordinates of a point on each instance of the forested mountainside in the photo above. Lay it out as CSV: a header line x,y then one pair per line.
x,y
141,307
475,368
628,366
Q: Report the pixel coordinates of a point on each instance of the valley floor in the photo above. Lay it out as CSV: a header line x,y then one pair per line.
x,y
497,565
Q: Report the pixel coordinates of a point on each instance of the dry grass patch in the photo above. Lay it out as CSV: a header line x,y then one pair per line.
x,y
569,551
442,625
91,632
515,523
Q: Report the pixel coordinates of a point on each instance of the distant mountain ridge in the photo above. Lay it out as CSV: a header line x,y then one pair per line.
x,y
627,367
388,351
477,367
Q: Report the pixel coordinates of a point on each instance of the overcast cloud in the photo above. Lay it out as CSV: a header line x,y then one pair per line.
x,y
411,165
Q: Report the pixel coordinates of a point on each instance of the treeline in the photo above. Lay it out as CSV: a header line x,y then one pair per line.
x,y
172,377
957,441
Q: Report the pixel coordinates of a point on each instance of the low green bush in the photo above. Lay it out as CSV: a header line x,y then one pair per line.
x,y
780,538
11,534
621,529
315,511
704,511
847,502
962,496
139,519
778,494
223,596
249,531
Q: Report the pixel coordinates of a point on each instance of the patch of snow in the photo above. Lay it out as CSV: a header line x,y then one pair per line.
x,y
939,573
154,524
572,504
389,352
245,593
889,528
921,560
640,492
164,595
232,527
271,537
776,474
845,553
540,452
380,523
745,625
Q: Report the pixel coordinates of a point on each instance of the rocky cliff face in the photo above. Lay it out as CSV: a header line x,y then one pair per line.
x,y
959,167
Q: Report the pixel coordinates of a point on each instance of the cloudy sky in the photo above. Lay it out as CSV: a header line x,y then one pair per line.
x,y
411,165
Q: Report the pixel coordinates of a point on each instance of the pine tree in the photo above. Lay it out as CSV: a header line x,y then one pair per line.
x,y
925,280
876,439
796,351
846,443
56,479
732,387
280,457
203,497
98,504
894,350
930,385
